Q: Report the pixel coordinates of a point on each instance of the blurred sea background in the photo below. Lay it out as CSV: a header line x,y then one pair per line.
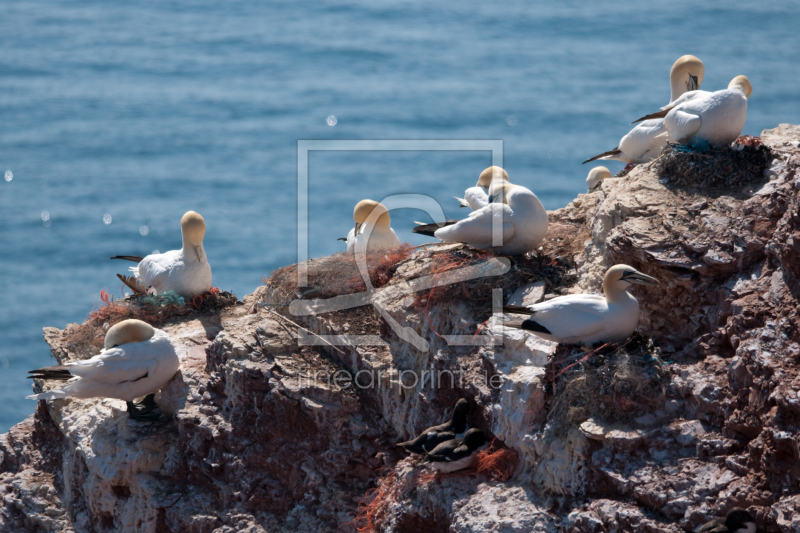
x,y
116,119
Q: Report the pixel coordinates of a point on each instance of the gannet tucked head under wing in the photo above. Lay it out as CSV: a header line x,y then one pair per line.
x,y
435,435
457,454
596,177
737,520
519,214
372,221
717,117
646,140
137,360
185,271
588,318
478,196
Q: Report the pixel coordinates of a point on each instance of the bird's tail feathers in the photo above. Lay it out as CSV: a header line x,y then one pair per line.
x,y
657,114
518,309
134,258
133,283
605,155
58,373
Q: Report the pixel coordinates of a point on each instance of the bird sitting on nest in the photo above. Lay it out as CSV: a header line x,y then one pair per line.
x,y
431,437
137,360
587,319
514,211
185,271
457,454
737,521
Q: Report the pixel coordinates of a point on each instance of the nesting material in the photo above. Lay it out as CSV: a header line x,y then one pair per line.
x,y
374,507
155,310
729,168
614,383
335,275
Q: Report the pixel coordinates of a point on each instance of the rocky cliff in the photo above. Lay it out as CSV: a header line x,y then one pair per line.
x,y
266,431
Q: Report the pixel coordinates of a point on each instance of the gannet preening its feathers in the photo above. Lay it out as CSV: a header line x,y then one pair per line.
x,y
737,520
717,117
478,196
372,221
456,454
645,141
185,271
596,177
433,436
136,360
521,217
588,318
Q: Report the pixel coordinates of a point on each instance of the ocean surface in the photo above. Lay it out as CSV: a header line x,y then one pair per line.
x,y
116,119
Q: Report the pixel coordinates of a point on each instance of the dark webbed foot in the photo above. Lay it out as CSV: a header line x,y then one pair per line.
x,y
146,410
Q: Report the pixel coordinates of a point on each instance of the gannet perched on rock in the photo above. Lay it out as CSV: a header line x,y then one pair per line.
x,y
717,117
478,196
520,216
136,360
587,318
185,271
596,177
737,520
431,437
374,223
456,454
645,141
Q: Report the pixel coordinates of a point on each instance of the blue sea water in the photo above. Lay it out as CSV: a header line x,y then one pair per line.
x,y
142,111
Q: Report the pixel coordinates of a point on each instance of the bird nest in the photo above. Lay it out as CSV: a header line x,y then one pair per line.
x,y
155,310
497,462
334,275
727,169
613,383
477,292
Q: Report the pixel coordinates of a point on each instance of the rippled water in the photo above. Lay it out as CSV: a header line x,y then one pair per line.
x,y
115,120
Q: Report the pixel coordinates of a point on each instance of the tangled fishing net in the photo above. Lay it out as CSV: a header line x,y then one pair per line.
x,y
153,309
497,462
612,383
728,168
335,275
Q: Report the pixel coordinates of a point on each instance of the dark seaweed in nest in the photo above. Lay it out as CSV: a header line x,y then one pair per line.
x,y
614,384
728,169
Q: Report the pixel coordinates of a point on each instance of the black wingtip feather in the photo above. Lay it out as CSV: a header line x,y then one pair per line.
x,y
430,229
615,151
532,325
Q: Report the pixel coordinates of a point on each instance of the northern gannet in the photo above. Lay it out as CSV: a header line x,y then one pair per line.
x,y
373,222
185,271
596,177
646,140
478,196
456,454
519,213
737,520
717,117
587,318
431,437
137,360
